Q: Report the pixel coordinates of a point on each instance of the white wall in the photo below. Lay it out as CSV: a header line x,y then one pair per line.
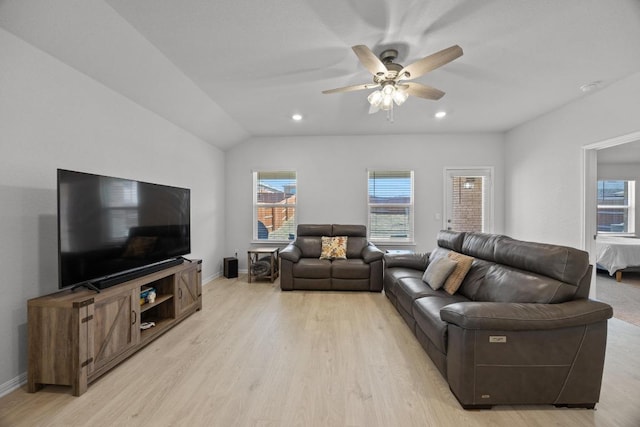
x,y
332,177
543,159
53,117
626,171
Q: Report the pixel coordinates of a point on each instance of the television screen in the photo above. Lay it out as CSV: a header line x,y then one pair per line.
x,y
113,229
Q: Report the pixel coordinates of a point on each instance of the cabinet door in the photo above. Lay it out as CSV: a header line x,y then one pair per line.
x,y
115,326
188,289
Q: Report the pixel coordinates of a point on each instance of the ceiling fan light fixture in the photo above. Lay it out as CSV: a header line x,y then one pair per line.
x,y
390,76
400,96
388,89
387,102
440,115
375,98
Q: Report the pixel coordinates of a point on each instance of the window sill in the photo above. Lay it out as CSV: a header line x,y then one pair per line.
x,y
392,243
605,234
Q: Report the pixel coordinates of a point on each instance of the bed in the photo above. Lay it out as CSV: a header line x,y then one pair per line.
x,y
618,254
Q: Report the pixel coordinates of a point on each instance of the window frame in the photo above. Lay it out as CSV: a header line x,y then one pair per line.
x,y
630,207
397,241
256,206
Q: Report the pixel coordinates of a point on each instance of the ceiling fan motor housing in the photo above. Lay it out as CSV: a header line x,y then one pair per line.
x,y
387,56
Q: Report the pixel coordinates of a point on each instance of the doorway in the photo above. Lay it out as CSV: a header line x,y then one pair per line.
x,y
468,197
612,156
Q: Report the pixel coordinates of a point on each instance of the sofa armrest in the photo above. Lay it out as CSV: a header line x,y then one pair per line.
x,y
291,253
519,316
414,260
371,253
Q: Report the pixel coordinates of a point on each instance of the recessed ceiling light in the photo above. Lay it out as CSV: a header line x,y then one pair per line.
x,y
297,117
440,114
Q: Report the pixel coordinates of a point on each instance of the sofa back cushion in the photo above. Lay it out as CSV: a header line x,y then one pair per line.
x,y
451,240
310,246
562,263
481,245
318,230
511,270
349,230
474,278
508,284
355,245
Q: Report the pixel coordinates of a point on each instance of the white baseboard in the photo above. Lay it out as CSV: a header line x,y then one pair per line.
x,y
13,384
206,280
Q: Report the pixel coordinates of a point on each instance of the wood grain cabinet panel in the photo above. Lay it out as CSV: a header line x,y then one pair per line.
x,y
75,337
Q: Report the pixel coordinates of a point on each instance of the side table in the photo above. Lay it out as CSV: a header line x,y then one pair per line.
x,y
262,263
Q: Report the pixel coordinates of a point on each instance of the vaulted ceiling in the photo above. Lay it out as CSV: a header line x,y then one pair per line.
x,y
228,69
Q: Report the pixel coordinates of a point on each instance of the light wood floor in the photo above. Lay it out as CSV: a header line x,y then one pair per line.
x,y
256,356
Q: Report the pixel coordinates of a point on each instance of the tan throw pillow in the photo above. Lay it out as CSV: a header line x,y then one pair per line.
x,y
334,247
438,271
457,276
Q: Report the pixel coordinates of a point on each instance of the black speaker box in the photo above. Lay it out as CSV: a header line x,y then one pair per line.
x,y
230,267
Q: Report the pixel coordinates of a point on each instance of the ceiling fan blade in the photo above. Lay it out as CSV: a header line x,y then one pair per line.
x,y
370,60
430,62
421,91
352,88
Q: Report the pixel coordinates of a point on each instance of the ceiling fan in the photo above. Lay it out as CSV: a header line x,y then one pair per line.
x,y
393,79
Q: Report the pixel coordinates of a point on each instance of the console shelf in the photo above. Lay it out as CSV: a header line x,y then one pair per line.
x,y
159,300
75,337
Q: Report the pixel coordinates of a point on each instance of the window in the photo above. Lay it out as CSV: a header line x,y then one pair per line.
x,y
274,205
390,206
616,206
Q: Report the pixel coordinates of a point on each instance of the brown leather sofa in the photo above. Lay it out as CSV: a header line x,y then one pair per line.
x,y
302,268
519,330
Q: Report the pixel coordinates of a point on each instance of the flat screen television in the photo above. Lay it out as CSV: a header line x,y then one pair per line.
x,y
111,230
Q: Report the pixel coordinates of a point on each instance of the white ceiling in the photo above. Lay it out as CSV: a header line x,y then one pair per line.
x,y
228,69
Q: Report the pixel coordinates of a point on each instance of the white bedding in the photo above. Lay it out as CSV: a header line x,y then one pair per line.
x,y
617,253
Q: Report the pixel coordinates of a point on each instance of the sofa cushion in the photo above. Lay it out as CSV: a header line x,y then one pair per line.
x,y
426,312
392,275
310,246
312,268
334,247
562,263
349,269
411,260
463,264
409,289
474,278
349,230
507,284
355,245
315,230
481,245
438,271
451,240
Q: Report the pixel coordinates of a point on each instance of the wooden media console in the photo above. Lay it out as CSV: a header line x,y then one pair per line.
x,y
77,336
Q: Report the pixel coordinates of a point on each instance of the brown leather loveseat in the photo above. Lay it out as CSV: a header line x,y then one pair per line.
x,y
520,329
302,268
